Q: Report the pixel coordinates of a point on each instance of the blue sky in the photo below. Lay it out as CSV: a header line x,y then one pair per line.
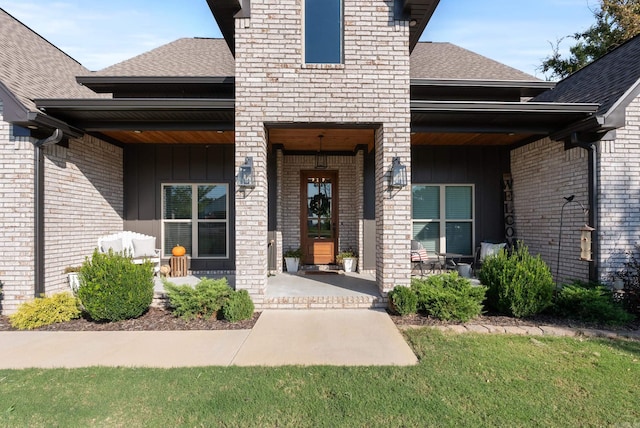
x,y
101,33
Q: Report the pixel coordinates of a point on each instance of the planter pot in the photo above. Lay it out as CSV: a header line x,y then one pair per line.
x,y
350,264
292,263
74,281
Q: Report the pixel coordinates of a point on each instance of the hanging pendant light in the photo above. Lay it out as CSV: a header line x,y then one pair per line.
x,y
321,158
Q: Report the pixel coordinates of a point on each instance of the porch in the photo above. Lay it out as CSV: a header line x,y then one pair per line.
x,y
302,291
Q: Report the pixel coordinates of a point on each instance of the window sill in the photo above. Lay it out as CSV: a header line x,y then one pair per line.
x,y
323,66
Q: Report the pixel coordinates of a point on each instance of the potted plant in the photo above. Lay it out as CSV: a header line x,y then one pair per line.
x,y
292,259
72,275
348,259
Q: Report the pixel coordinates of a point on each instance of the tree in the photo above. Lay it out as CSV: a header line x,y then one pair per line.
x,y
616,22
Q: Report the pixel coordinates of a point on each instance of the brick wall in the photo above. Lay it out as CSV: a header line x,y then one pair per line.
x,y
273,85
619,200
16,217
83,200
543,174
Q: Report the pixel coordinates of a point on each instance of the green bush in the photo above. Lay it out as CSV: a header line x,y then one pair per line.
x,y
113,288
403,301
589,302
518,284
238,306
448,297
43,311
202,301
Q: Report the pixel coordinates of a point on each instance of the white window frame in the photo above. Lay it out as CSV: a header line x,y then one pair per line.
x,y
443,212
195,221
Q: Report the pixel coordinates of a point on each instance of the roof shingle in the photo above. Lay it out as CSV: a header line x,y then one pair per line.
x,y
31,67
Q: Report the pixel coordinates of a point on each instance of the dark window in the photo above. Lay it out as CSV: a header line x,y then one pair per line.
x,y
323,31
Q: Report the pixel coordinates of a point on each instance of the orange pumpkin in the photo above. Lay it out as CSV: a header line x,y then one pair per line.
x,y
178,251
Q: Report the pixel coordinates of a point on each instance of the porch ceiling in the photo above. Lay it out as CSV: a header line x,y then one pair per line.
x,y
333,140
171,137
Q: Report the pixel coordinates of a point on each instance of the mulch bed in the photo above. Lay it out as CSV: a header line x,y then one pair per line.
x,y
161,319
154,319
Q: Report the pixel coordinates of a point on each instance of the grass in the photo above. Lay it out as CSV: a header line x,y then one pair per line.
x,y
462,380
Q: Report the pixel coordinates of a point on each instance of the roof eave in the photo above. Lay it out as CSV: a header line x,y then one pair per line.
x,y
418,13
495,106
526,88
109,84
224,12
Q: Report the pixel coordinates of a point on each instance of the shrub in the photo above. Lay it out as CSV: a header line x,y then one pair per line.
x,y
403,301
518,284
448,297
43,311
589,302
202,301
238,306
113,288
630,277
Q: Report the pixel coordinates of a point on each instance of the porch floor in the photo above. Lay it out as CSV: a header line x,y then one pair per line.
x,y
304,291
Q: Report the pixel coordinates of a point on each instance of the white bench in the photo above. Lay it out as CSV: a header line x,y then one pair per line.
x,y
140,247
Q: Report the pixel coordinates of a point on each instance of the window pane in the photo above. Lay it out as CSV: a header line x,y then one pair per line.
x,y
426,202
212,239
178,233
177,203
459,237
323,31
212,202
458,202
428,233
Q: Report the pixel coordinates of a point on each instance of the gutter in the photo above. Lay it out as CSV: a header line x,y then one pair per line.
x,y
38,241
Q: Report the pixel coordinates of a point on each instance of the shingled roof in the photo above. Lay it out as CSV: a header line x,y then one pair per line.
x,y
448,61
31,67
201,57
611,81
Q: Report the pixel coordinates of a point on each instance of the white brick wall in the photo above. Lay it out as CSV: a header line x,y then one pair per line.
x,y
620,193
16,217
543,174
273,85
83,200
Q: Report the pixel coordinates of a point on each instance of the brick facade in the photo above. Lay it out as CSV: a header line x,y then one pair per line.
x,y
274,86
543,174
83,200
619,178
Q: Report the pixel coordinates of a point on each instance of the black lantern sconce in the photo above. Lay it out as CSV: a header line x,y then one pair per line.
x,y
246,174
321,157
398,174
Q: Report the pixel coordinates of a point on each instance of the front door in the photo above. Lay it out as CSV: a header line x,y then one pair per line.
x,y
319,216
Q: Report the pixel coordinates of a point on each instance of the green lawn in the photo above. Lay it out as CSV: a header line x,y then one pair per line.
x,y
462,380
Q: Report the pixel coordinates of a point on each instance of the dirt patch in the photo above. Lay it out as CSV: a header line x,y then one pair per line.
x,y
154,319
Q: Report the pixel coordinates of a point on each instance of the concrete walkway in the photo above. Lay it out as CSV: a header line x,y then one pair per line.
x,y
280,337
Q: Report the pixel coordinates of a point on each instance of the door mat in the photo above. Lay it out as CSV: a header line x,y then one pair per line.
x,y
320,272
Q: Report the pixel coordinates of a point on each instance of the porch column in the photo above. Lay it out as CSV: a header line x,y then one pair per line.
x,y
393,210
251,215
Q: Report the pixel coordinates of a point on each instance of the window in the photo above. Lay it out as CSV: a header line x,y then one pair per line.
x,y
196,217
323,31
443,217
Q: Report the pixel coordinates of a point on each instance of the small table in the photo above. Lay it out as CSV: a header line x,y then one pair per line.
x,y
178,265
451,260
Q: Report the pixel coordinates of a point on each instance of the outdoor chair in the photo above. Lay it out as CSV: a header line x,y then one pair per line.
x,y
485,250
420,258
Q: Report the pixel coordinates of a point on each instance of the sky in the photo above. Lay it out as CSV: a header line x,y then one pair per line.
x,y
98,34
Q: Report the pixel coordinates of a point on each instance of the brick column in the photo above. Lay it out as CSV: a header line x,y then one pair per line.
x,y
393,211
251,213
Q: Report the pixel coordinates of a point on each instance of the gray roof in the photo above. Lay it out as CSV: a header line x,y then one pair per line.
x,y
431,60
211,57
31,67
610,81
184,57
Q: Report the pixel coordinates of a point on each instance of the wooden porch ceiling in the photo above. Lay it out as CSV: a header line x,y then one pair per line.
x,y
334,140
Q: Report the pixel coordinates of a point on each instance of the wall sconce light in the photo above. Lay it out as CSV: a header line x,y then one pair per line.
x,y
398,174
321,158
585,243
246,174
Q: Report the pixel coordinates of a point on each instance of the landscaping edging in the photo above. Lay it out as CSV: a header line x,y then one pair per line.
x,y
542,330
